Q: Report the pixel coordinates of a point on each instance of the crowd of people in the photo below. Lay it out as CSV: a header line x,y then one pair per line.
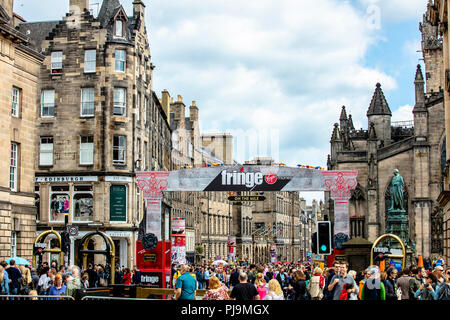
x,y
242,282
51,280
309,282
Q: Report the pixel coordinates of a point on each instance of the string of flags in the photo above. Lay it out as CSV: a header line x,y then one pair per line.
x,y
280,164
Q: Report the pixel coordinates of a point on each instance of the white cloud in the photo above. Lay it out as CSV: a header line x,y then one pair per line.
x,y
286,65
397,10
403,113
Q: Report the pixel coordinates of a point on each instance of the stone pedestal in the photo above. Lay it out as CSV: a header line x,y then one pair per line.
x,y
397,223
357,253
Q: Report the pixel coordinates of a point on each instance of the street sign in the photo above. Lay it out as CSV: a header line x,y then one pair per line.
x,y
73,231
246,198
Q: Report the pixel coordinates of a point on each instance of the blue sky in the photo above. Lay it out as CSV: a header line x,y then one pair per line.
x,y
278,69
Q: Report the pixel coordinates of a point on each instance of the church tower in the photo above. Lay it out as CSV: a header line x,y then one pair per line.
x,y
380,115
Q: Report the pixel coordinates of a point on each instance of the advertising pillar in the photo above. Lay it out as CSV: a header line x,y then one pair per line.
x,y
178,240
232,249
273,253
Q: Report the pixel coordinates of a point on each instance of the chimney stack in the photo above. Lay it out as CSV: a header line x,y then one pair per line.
x,y
78,6
165,103
139,9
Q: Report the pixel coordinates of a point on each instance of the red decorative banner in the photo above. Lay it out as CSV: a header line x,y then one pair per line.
x,y
340,184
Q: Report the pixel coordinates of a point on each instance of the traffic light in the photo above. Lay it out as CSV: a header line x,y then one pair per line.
x,y
324,237
65,242
314,243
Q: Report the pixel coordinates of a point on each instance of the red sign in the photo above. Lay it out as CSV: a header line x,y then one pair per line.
x,y
271,178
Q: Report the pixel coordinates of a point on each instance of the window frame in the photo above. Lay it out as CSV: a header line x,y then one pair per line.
x,y
120,104
15,105
89,62
120,148
46,151
82,103
14,167
120,59
88,147
54,69
43,104
116,29
74,193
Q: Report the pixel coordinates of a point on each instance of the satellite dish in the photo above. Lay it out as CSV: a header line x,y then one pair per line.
x,y
149,241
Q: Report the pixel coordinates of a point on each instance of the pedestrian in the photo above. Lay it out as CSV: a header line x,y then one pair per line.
x,y
261,285
234,278
206,276
299,286
101,276
185,285
438,271
275,292
58,288
373,288
25,281
34,279
14,275
403,283
217,291
92,275
390,285
338,281
329,291
427,290
444,288
282,279
316,284
74,283
365,275
244,291
118,275
199,276
126,276
415,282
85,280
4,281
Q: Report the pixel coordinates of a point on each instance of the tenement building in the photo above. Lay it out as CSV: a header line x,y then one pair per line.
x,y
437,13
98,122
414,148
19,67
186,154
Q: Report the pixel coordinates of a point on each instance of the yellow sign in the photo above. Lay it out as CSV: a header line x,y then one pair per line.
x,y
150,257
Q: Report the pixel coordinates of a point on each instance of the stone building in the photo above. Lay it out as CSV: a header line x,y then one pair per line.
x,y
186,153
413,148
19,67
437,14
98,122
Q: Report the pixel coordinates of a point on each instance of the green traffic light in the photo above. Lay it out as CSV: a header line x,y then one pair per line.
x,y
323,248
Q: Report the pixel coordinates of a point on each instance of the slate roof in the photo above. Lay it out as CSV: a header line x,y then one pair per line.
x,y
378,105
37,32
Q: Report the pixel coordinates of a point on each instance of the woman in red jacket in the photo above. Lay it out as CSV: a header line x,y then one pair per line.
x,y
127,276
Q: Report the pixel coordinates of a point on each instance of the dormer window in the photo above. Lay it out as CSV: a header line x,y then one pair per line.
x,y
119,28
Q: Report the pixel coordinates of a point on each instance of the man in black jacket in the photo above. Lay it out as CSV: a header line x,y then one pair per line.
x,y
92,276
234,278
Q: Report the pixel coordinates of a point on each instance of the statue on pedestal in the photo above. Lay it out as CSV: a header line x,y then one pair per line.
x,y
397,188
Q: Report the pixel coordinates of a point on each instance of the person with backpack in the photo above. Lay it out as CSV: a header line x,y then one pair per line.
x,y
443,289
316,284
373,288
14,275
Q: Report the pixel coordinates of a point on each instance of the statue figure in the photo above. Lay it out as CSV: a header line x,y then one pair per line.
x,y
397,187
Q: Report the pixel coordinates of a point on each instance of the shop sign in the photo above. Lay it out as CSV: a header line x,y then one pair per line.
x,y
118,203
67,179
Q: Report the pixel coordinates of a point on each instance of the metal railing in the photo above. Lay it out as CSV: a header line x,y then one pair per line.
x,y
28,297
